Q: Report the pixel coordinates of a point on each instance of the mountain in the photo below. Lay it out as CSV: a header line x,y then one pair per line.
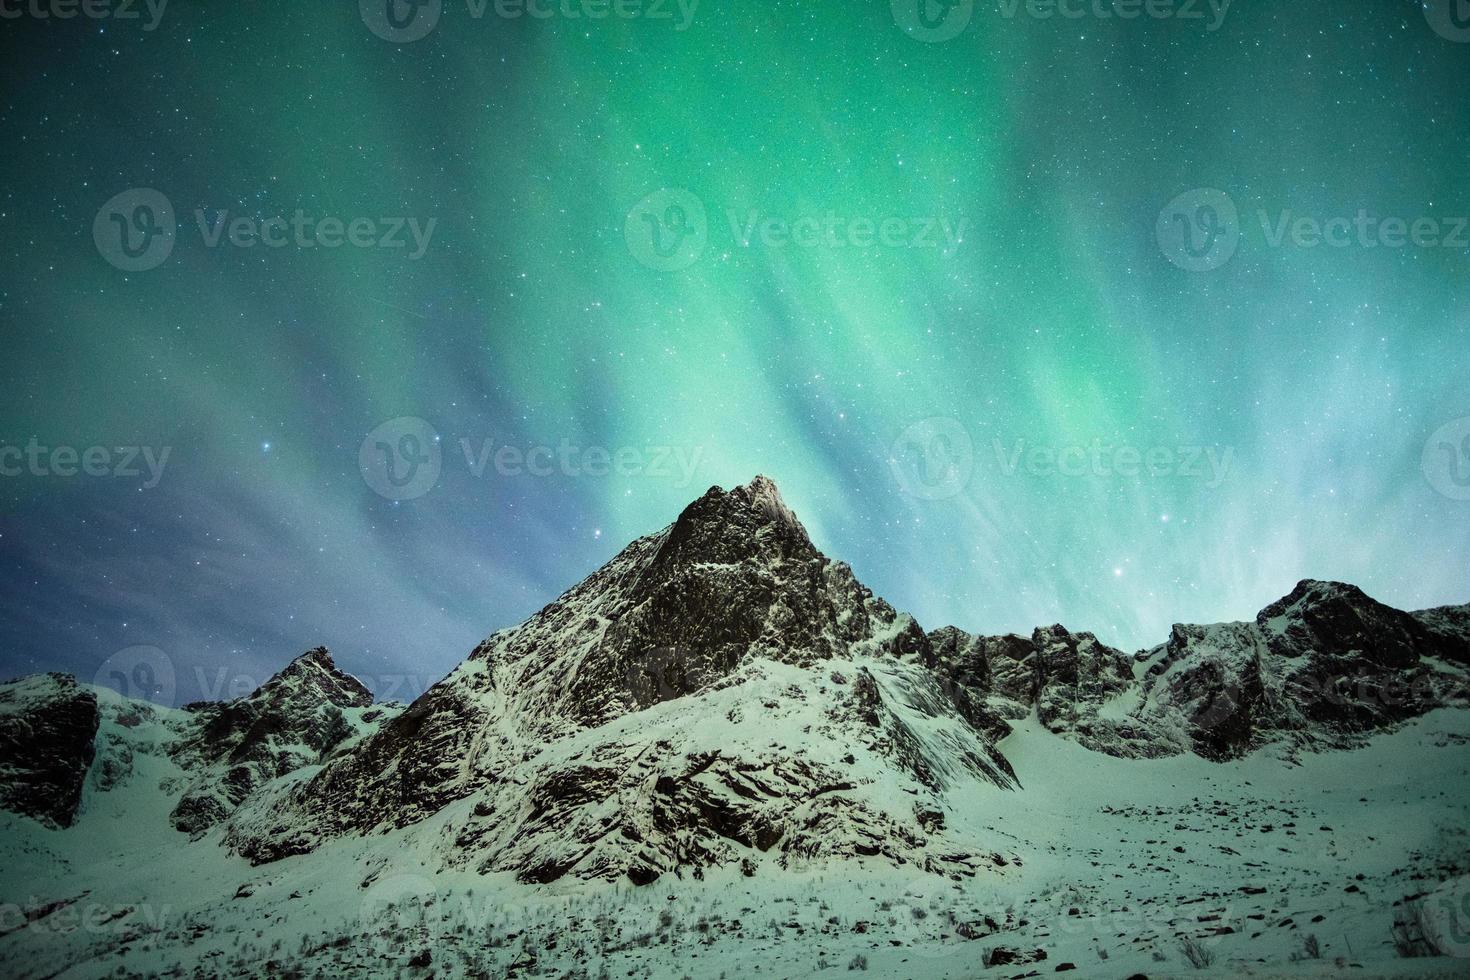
x,y
290,721
719,692
722,706
1321,667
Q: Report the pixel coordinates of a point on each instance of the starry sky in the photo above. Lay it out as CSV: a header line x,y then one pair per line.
x,y
1020,312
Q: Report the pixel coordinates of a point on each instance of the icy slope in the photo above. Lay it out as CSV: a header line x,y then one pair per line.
x,y
1112,864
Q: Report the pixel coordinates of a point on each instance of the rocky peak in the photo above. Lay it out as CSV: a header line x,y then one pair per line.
x,y
727,527
286,723
1317,617
314,675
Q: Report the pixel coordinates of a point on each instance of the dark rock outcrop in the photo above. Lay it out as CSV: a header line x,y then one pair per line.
x,y
1323,666
48,730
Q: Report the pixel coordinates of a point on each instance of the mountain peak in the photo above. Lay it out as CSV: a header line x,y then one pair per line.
x,y
1311,593
316,669
762,495
729,526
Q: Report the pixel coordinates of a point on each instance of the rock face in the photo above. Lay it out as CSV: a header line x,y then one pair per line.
x,y
1064,676
47,730
731,626
1323,666
291,720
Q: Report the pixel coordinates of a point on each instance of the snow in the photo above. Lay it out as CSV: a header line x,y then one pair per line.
x,y
1089,832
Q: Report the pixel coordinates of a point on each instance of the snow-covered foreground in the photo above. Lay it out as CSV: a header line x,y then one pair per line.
x,y
1114,864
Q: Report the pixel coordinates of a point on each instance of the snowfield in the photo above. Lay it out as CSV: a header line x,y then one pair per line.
x,y
1115,863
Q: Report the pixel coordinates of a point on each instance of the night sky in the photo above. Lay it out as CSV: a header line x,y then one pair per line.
x,y
1004,303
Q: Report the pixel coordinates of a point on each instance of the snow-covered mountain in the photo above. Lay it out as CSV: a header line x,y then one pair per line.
x,y
719,692
722,702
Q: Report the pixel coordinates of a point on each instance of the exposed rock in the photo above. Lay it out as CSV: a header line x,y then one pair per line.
x,y
48,728
290,721
730,613
1323,666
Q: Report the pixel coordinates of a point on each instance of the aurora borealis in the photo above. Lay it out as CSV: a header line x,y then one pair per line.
x,y
927,288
